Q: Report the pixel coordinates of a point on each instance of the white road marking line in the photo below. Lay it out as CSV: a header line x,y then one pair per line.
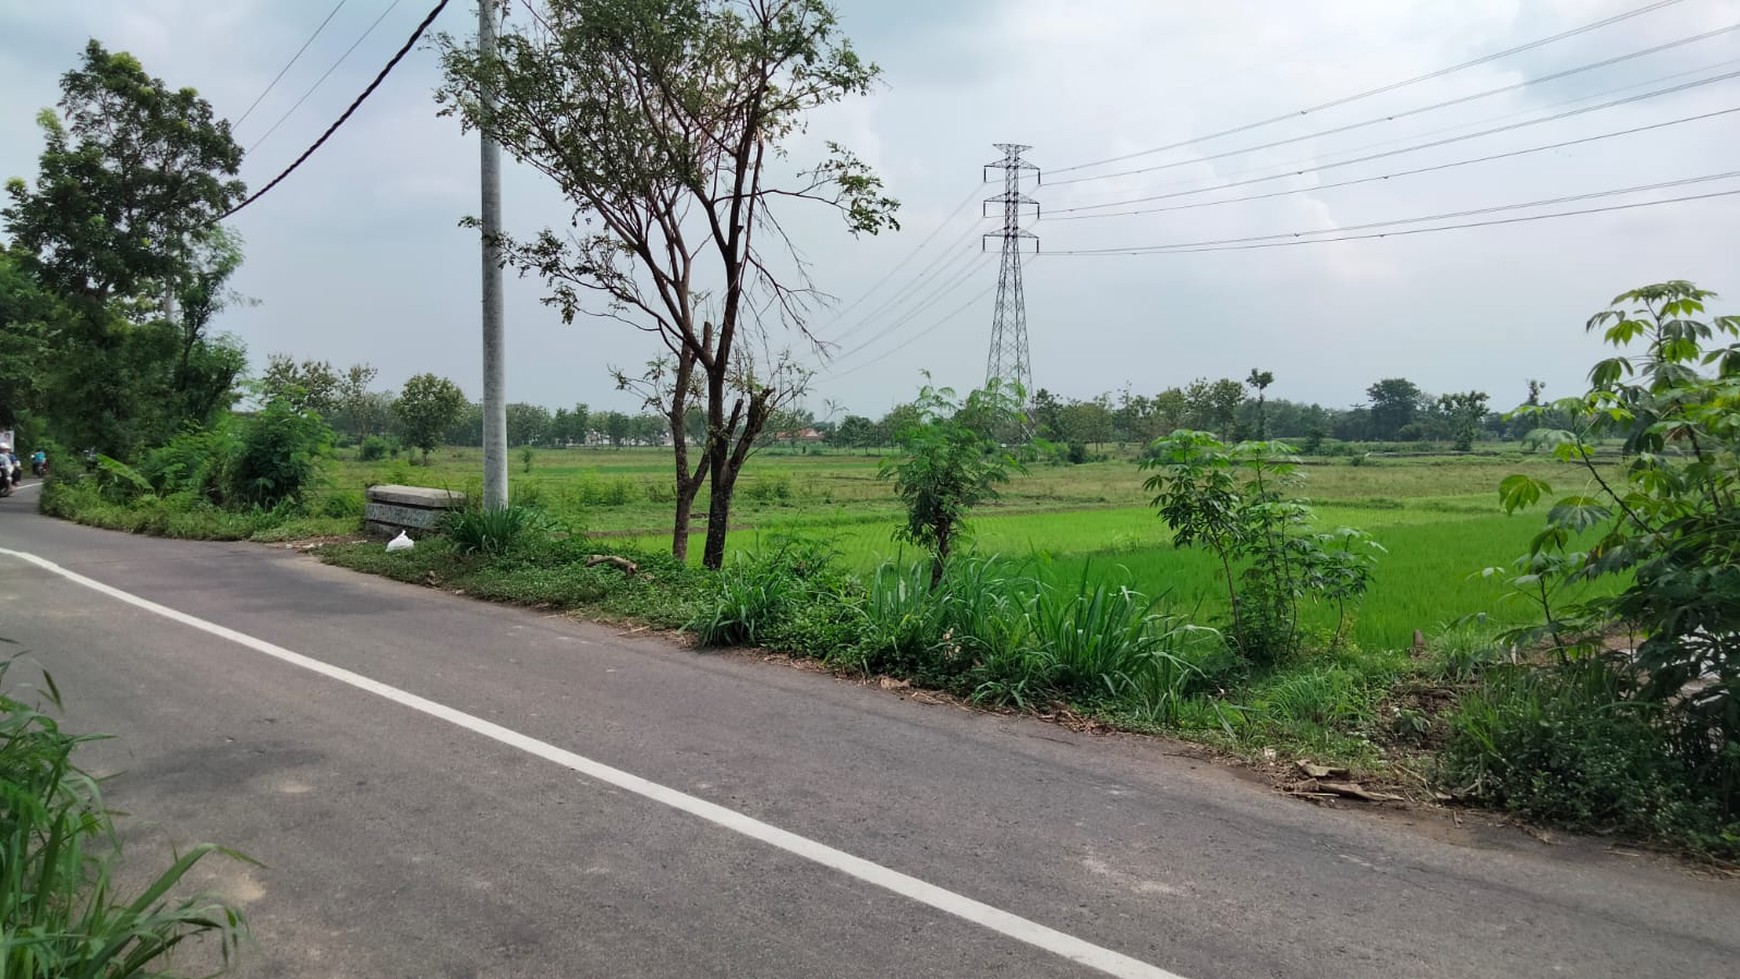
x,y
1003,922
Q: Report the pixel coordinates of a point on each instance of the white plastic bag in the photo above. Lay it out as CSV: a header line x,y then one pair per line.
x,y
401,543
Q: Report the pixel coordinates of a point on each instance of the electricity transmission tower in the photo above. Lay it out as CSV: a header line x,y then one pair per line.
x,y
1008,360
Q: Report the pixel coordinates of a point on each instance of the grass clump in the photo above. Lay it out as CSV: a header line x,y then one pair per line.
x,y
474,530
62,914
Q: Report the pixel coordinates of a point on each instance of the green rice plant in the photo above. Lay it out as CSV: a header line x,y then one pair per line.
x,y
62,914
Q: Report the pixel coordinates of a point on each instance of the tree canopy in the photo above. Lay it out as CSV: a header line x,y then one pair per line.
x,y
665,124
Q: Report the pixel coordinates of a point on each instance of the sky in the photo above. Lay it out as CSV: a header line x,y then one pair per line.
x,y
359,255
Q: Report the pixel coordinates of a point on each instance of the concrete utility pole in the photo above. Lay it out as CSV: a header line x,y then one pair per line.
x,y
495,480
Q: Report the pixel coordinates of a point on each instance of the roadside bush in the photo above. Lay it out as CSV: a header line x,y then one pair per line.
x,y
938,631
342,505
277,458
1669,530
194,461
1098,642
61,911
1567,745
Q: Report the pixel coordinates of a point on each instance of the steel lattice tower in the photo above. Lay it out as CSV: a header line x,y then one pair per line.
x,y
1008,360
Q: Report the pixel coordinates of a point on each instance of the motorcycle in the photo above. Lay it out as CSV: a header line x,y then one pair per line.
x,y
39,468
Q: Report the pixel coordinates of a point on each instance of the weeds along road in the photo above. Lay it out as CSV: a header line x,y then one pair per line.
x,y
438,787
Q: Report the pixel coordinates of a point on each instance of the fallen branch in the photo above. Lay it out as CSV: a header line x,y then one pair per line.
x,y
620,563
1353,791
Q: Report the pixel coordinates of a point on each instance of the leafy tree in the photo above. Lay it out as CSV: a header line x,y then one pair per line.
x,y
1466,413
1211,405
889,426
308,386
617,427
527,424
1668,528
854,432
950,462
356,408
468,428
570,426
30,318
134,174
1085,422
208,367
658,119
122,217
427,408
1395,402
1047,414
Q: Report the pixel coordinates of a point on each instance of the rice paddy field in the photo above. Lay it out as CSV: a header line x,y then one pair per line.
x,y
1436,516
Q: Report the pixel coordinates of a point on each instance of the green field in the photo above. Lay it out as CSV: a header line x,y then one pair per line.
x,y
1437,517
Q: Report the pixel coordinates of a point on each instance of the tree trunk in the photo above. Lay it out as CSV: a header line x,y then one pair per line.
x,y
940,562
688,482
724,468
680,526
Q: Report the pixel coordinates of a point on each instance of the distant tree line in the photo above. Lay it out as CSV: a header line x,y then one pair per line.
x,y
1395,410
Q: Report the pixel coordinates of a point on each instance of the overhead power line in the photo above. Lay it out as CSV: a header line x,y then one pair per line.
x,y
972,195
322,79
1382,89
1392,117
936,295
1433,144
891,351
398,56
1403,173
1446,227
1311,235
288,65
1318,160
951,256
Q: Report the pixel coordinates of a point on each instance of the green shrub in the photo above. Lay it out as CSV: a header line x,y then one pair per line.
x,y
61,912
377,447
1322,697
277,458
1567,745
939,631
343,505
195,461
1462,649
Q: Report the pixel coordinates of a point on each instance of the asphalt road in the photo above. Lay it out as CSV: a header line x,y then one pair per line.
x,y
418,793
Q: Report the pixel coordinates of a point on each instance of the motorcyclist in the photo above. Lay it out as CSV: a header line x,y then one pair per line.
x,y
39,463
14,472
